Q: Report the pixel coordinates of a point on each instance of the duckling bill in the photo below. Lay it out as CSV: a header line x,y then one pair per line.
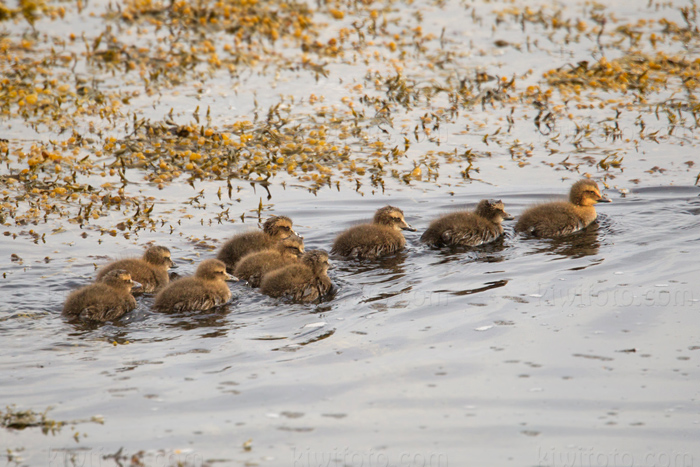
x,y
274,229
205,290
370,241
465,228
561,218
106,300
151,271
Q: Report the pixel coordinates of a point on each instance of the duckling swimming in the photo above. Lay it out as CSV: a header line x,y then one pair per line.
x,y
274,229
303,282
151,270
253,266
205,290
563,217
466,228
106,300
381,237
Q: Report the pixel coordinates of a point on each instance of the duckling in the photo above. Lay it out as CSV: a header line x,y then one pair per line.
x,y
381,237
563,217
151,270
105,300
205,290
253,266
304,281
466,228
274,229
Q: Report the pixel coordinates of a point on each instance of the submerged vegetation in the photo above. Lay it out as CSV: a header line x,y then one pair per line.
x,y
13,419
92,119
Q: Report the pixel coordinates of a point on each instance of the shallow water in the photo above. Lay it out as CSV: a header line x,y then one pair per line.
x,y
515,353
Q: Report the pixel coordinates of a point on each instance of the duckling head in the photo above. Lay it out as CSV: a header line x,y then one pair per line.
x,y
278,227
392,217
159,256
212,270
317,260
292,244
493,210
120,279
586,193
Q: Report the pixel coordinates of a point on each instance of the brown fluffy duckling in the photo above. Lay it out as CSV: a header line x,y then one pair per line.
x,y
105,300
465,228
563,217
151,271
381,237
274,229
253,266
304,281
205,290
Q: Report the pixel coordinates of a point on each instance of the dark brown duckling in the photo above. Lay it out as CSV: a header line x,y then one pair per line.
x,y
105,300
274,229
465,228
304,281
369,241
205,290
563,217
253,266
151,271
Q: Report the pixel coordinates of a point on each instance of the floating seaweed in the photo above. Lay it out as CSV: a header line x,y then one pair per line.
x,y
412,91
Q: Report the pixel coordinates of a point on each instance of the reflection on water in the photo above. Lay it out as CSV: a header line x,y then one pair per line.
x,y
390,265
577,245
487,286
488,253
214,318
306,338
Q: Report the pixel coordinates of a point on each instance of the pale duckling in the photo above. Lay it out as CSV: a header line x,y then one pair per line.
x,y
253,266
151,271
274,229
106,300
205,290
465,228
381,237
305,281
563,217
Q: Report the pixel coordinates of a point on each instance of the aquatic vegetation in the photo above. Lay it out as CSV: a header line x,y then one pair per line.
x,y
13,419
419,108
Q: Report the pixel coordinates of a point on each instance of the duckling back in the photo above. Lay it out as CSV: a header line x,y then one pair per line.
x,y
106,300
151,271
563,217
368,241
553,220
253,266
205,290
381,237
237,247
242,244
465,228
304,281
